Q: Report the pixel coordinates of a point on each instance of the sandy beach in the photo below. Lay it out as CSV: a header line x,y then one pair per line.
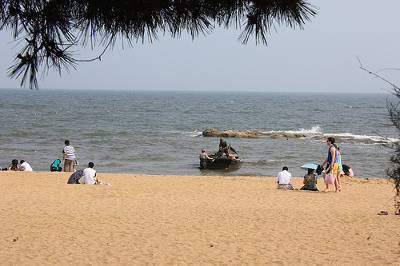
x,y
193,220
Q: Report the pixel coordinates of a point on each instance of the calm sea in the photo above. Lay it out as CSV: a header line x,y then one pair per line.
x,y
159,132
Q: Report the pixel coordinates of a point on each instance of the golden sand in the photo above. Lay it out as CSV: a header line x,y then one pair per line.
x,y
193,220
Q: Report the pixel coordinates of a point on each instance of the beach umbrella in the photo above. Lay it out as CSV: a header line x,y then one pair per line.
x,y
310,166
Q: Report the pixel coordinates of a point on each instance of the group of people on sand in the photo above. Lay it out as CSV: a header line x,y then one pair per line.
x,y
68,157
23,166
70,161
86,176
334,170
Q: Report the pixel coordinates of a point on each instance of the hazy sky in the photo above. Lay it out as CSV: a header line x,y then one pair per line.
x,y
322,57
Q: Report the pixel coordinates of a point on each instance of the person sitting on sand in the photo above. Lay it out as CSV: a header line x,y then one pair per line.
x,y
24,166
76,178
14,165
90,175
310,181
55,166
347,171
284,179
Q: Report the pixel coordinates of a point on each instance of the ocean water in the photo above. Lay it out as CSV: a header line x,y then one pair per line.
x,y
160,132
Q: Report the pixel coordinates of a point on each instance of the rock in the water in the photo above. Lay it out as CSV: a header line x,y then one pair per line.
x,y
212,132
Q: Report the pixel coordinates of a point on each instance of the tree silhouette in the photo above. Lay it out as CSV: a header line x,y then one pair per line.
x,y
49,29
394,113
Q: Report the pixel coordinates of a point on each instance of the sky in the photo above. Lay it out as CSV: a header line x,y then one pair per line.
x,y
320,58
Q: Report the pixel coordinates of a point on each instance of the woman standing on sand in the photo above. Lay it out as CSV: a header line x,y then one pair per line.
x,y
338,186
331,161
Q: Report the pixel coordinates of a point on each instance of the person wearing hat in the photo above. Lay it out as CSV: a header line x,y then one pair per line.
x,y
203,159
223,147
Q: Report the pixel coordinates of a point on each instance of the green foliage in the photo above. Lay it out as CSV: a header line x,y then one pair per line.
x,y
48,29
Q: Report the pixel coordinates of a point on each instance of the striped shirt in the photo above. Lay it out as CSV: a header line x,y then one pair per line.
x,y
69,152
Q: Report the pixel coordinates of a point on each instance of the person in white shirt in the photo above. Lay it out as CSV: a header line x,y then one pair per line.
x,y
89,175
284,179
24,166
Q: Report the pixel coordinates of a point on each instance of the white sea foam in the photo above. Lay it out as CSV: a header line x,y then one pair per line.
x,y
193,134
363,138
315,130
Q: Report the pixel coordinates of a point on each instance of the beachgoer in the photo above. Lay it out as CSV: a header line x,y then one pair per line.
x,y
90,175
331,162
55,166
76,178
284,179
310,181
75,163
203,159
338,186
68,157
24,166
14,165
223,147
347,171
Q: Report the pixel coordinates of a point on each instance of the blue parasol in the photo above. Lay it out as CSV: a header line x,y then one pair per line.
x,y
310,166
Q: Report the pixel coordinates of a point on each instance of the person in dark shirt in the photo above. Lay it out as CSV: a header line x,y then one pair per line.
x,y
310,181
223,147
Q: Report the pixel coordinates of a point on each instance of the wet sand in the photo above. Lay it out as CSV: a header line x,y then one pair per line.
x,y
195,220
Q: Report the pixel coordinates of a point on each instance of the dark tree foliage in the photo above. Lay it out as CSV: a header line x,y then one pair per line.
x,y
49,29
